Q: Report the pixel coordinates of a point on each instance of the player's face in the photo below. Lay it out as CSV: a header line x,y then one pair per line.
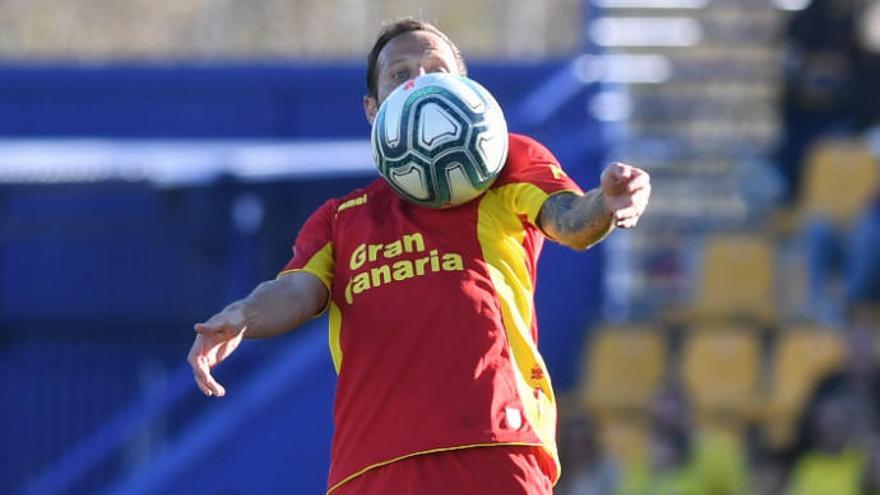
x,y
405,57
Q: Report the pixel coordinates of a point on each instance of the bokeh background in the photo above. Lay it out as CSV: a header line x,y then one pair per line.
x,y
157,159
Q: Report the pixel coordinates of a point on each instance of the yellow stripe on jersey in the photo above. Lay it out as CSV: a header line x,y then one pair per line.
x,y
335,326
501,237
522,198
319,265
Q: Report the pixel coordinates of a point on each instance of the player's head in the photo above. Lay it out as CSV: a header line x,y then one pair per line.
x,y
403,50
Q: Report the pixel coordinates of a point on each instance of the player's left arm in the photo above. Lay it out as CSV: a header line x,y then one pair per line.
x,y
581,221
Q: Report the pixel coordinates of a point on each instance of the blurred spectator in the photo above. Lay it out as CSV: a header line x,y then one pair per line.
x,y
857,380
871,479
832,253
818,93
586,468
683,460
837,428
768,477
831,75
868,65
831,462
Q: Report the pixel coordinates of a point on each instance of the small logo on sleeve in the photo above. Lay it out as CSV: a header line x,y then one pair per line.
x,y
358,201
557,172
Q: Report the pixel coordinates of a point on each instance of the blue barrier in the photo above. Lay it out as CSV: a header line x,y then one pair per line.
x,y
270,435
230,101
108,439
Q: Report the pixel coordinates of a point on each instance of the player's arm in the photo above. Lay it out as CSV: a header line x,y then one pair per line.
x,y
272,308
581,221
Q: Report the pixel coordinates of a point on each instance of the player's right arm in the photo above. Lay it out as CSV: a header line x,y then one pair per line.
x,y
300,292
272,308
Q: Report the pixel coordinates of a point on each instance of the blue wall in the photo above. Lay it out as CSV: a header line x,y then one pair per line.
x,y
231,101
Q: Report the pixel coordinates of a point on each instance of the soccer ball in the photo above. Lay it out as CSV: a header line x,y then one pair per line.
x,y
439,140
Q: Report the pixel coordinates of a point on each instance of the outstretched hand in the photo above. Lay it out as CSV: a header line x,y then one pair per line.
x,y
627,190
215,340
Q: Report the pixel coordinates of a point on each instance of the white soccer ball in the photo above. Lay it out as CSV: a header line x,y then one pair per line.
x,y
439,140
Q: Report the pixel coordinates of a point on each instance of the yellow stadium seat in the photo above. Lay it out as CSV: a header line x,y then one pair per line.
x,y
840,177
737,279
721,368
625,441
624,368
802,356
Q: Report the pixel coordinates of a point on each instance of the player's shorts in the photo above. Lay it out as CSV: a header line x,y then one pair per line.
x,y
502,470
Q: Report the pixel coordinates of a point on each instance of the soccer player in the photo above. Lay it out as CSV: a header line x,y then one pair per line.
x,y
441,388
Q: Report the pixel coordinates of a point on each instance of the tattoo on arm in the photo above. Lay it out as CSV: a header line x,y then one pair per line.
x,y
576,221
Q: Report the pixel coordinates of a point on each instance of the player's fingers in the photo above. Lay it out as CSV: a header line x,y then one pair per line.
x,y
637,199
620,172
226,349
199,374
217,390
207,381
201,357
634,207
207,362
195,355
191,356
216,330
208,328
627,223
202,385
621,179
628,198
638,182
222,351
204,328
621,205
641,198
612,173
626,213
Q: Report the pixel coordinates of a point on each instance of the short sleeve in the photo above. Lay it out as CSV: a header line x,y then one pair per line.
x,y
532,174
313,249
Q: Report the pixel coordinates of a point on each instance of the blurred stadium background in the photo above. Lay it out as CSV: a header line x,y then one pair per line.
x,y
158,158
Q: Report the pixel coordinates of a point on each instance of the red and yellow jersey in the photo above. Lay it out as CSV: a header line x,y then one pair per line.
x,y
432,322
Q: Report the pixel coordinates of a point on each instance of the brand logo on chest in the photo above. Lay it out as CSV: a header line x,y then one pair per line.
x,y
380,264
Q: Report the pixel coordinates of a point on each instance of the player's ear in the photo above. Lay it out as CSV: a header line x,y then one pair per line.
x,y
371,106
